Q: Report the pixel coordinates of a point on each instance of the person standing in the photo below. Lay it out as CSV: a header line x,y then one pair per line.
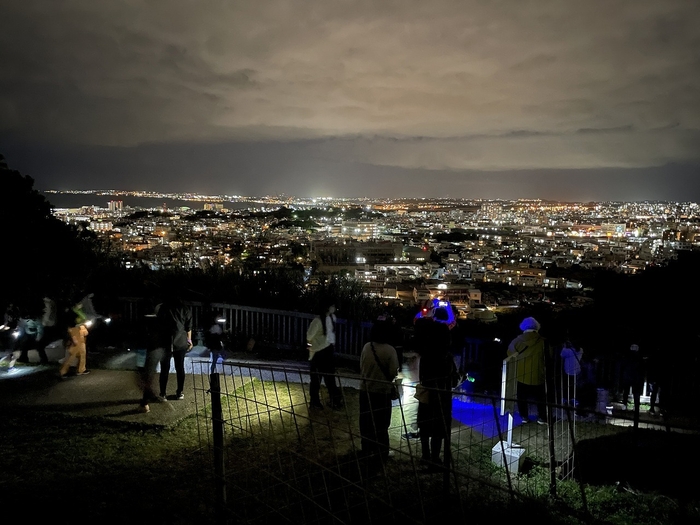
x,y
320,338
76,348
176,324
411,375
50,328
658,375
632,378
31,334
214,341
7,329
438,376
528,352
147,340
571,365
379,366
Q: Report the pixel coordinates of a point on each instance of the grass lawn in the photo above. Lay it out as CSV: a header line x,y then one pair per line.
x,y
278,454
73,471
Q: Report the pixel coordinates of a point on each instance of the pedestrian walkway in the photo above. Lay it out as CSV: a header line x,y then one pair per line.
x,y
111,392
108,394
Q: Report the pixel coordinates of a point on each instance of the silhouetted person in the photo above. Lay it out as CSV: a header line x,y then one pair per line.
x,y
379,365
49,322
438,375
571,366
214,341
176,325
146,339
632,378
421,342
10,319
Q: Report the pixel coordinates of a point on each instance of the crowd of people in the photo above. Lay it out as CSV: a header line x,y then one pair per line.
x,y
424,366
159,337
430,370
424,375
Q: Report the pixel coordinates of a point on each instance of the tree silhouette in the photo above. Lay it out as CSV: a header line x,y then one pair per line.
x,y
42,255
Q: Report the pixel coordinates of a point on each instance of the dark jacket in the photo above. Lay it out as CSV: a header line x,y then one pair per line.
x,y
176,321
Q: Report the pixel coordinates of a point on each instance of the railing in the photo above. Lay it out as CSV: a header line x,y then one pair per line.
x,y
286,331
278,329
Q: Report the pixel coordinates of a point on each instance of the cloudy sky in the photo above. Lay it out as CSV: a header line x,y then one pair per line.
x,y
572,100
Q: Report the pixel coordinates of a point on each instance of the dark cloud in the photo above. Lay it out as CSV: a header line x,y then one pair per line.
x,y
453,85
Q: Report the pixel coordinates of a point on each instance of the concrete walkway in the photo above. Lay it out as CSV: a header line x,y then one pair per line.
x,y
111,391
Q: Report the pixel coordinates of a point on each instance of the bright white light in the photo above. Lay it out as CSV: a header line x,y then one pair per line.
x,y
88,323
108,320
221,320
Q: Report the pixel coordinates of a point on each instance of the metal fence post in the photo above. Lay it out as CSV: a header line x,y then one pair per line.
x,y
217,420
570,420
503,449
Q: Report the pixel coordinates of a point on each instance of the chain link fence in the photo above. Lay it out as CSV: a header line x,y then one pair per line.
x,y
274,458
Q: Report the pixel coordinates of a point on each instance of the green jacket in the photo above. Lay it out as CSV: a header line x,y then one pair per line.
x,y
528,352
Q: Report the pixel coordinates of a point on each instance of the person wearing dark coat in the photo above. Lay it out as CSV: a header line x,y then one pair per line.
x,y
379,365
176,324
146,339
632,376
438,376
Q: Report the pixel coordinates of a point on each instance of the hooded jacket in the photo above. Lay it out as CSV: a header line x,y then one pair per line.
x,y
528,352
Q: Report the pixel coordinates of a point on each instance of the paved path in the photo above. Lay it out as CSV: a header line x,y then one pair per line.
x,y
110,391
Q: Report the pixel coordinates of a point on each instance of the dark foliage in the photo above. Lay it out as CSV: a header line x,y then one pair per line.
x,y
42,255
648,460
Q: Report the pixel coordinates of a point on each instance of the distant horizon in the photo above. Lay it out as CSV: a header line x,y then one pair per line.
x,y
201,197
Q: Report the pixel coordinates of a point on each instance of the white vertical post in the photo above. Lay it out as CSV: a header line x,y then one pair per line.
x,y
503,388
510,429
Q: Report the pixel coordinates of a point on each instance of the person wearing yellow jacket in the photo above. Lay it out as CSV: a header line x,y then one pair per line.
x,y
76,348
528,352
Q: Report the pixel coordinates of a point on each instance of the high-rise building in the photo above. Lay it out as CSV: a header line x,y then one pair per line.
x,y
115,206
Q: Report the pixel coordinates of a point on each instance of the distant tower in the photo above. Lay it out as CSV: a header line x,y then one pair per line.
x,y
115,206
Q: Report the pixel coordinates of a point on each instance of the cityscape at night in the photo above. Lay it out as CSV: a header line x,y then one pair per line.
x,y
500,237
350,262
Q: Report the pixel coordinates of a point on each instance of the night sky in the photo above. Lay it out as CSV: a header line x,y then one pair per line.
x,y
586,100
